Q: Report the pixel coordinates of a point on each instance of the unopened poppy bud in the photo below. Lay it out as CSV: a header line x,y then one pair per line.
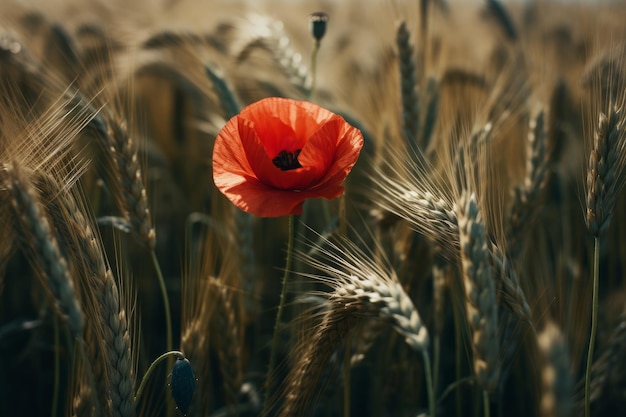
x,y
183,384
318,22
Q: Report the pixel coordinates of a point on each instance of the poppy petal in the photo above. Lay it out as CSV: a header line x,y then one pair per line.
x,y
243,166
229,155
272,114
346,155
319,151
265,170
263,201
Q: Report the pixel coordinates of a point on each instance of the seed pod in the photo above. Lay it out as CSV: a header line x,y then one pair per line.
x,y
182,384
318,23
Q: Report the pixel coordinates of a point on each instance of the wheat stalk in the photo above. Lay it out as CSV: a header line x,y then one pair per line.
x,y
604,181
608,369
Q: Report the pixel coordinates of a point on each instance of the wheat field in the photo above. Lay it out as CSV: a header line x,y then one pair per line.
x,y
473,267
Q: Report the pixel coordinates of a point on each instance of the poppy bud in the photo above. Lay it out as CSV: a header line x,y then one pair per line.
x,y
182,384
318,22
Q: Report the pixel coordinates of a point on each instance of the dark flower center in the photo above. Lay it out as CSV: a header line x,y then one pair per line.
x,y
287,160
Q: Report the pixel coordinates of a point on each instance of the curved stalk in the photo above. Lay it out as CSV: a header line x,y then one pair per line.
x,y
166,301
152,367
594,324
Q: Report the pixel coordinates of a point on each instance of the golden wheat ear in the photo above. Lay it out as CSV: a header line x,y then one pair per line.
x,y
41,245
108,337
361,289
556,378
481,305
605,171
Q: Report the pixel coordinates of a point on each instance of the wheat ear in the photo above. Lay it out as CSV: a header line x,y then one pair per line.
x,y
228,346
525,195
133,199
272,36
512,293
481,305
109,340
361,289
422,204
313,356
556,380
42,246
410,101
604,181
605,172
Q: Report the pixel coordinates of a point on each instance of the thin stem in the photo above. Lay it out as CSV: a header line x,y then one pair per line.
x,y
166,301
429,383
454,386
152,367
281,304
486,411
343,225
316,48
346,379
594,324
57,366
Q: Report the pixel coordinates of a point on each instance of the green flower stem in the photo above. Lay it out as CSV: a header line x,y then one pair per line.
x,y
316,48
594,324
281,305
166,301
428,373
152,367
343,223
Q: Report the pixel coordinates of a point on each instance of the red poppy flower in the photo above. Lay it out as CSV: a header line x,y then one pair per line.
x,y
278,152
